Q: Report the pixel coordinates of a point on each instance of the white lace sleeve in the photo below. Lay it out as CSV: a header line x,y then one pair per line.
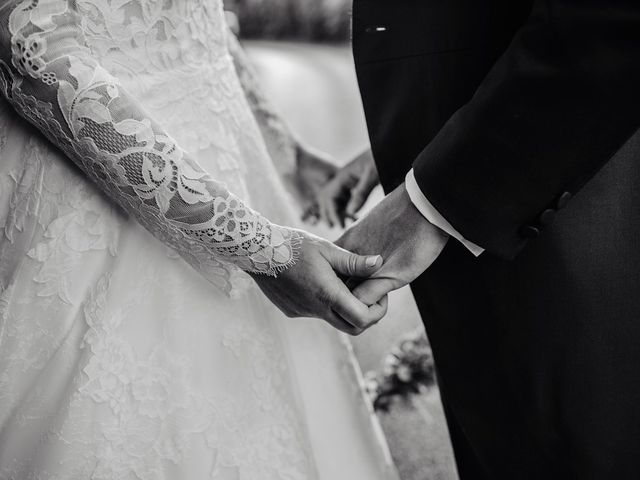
x,y
51,79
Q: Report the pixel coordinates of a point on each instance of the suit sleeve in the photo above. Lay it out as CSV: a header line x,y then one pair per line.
x,y
559,103
428,211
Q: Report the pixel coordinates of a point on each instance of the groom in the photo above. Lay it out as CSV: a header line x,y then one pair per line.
x,y
504,132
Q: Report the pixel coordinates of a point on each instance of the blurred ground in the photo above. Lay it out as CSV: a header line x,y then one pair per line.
x,y
314,87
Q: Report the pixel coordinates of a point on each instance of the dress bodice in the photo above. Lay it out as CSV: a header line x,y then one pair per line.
x,y
144,97
137,37
172,55
118,361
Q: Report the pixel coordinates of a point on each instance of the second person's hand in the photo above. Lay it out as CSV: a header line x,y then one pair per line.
x,y
312,288
344,194
408,242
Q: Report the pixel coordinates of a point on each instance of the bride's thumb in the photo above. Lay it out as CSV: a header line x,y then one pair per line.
x,y
351,264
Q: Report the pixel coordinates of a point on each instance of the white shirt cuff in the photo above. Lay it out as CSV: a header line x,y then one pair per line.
x,y
433,216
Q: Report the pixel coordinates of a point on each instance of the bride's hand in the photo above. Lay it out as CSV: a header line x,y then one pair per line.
x,y
312,287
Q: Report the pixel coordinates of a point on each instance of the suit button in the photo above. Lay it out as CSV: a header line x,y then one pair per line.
x,y
563,200
529,231
547,217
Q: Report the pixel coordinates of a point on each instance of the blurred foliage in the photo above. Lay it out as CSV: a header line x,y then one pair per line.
x,y
307,20
408,370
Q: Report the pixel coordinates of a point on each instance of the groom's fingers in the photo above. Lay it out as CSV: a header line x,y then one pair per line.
x,y
339,298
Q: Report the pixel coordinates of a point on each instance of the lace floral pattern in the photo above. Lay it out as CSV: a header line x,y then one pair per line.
x,y
126,413
149,395
132,412
100,127
117,360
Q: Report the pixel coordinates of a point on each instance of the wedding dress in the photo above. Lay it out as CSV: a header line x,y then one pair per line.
x,y
133,344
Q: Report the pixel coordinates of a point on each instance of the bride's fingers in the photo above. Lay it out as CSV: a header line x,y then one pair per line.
x,y
352,282
371,291
339,323
351,264
380,308
354,312
376,312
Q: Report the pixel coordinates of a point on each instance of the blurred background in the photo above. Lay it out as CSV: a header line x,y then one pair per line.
x,y
297,20
301,51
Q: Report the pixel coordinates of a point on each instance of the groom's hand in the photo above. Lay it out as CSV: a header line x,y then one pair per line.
x,y
406,240
311,287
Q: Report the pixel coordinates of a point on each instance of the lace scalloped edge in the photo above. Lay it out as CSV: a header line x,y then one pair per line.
x,y
295,242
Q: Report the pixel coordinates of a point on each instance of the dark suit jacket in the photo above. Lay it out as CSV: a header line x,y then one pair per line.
x,y
507,110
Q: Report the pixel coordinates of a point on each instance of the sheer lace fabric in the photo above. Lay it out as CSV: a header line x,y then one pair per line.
x,y
118,360
100,126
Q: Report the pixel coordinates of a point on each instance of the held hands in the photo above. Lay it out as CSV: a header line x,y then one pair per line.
x,y
312,288
406,240
344,194
395,229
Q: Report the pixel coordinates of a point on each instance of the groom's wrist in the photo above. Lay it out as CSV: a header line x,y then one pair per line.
x,y
434,217
411,216
412,224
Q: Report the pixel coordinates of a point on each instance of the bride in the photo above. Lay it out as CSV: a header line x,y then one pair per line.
x,y
124,356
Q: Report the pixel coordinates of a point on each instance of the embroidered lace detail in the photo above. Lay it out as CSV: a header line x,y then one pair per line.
x,y
117,362
54,82
149,397
138,413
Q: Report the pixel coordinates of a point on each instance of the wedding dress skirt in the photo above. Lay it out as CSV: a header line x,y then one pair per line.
x,y
118,360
